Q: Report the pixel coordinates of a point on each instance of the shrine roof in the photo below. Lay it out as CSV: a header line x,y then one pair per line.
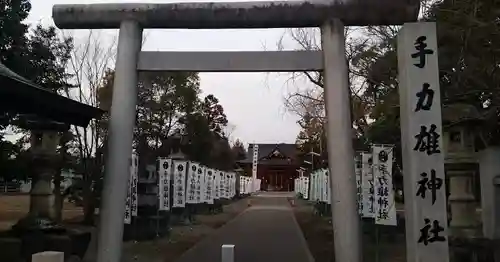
x,y
265,150
19,95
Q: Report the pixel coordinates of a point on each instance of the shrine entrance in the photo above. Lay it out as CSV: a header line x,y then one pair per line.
x,y
276,165
330,16
275,181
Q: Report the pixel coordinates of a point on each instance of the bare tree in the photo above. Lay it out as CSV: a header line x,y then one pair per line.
x,y
90,60
310,101
363,47
229,131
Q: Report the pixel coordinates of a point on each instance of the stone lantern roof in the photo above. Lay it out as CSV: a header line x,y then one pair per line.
x,y
461,114
468,116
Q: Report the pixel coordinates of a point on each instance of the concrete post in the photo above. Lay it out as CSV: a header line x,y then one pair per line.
x,y
346,222
48,256
227,253
121,126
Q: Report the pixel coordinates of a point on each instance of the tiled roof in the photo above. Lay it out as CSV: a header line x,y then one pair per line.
x,y
21,96
265,150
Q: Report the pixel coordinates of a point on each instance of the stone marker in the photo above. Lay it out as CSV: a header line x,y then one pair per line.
x,y
48,256
422,144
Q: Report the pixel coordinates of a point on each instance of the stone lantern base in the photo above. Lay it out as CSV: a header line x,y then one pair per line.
x,y
20,246
462,205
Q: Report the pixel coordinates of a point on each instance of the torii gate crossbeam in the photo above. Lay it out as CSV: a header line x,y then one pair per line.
x,y
330,16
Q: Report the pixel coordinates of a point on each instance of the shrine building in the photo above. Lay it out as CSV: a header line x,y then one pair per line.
x,y
277,165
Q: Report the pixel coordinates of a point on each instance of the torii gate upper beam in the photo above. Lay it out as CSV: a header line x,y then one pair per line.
x,y
220,15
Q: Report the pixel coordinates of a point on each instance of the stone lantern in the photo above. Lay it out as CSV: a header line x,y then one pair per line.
x,y
461,165
44,140
176,143
45,114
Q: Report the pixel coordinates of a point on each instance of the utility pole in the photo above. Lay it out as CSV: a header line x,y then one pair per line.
x,y
313,154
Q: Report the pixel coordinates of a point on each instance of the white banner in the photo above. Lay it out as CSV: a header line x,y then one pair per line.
x,y
367,185
128,215
319,186
134,203
227,185
128,202
216,180
200,178
209,187
255,161
242,185
191,182
359,190
305,187
324,187
233,185
385,207
222,184
302,184
247,185
315,186
299,185
311,186
164,178
327,186
179,183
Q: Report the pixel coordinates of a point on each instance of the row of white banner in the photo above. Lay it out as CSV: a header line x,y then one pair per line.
x,y
375,192
183,182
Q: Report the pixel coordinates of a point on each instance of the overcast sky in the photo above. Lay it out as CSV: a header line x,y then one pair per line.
x,y
253,101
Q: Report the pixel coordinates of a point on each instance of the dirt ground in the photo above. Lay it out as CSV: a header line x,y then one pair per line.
x,y
15,207
181,238
319,236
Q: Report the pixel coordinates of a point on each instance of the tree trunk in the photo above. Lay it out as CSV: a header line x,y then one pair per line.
x,y
88,197
93,188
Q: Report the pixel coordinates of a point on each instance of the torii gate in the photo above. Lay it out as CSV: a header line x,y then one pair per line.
x,y
330,16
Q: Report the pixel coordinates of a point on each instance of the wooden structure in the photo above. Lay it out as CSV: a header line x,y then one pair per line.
x,y
21,96
277,165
